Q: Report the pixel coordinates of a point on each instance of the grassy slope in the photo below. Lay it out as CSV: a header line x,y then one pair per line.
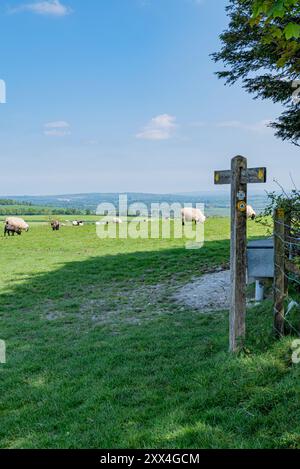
x,y
99,355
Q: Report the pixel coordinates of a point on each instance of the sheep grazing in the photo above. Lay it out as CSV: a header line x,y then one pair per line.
x,y
77,223
14,226
192,215
250,212
117,221
55,225
11,230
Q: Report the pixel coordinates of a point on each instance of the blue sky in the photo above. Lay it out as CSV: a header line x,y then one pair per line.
x,y
120,95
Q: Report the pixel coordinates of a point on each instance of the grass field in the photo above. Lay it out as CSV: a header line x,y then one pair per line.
x,y
99,354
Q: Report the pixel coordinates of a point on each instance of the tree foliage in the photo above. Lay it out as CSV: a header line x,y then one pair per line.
x,y
261,47
280,20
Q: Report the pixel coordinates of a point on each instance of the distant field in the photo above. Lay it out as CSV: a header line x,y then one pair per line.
x,y
47,218
100,355
216,204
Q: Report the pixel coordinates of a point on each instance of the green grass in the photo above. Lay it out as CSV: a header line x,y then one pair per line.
x,y
99,354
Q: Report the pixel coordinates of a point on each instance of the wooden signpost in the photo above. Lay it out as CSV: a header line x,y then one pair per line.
x,y
239,177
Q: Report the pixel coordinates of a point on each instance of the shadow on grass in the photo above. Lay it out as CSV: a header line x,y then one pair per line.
x,y
167,382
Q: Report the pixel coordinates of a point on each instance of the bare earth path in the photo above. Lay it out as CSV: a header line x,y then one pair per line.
x,y
209,293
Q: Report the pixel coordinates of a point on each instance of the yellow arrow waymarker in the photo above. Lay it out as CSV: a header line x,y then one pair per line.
x,y
261,174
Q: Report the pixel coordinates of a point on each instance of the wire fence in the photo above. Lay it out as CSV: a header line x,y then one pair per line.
x,y
287,273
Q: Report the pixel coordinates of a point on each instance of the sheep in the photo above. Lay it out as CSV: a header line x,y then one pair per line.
x,y
55,225
17,222
11,230
77,223
15,225
98,223
193,215
117,221
250,212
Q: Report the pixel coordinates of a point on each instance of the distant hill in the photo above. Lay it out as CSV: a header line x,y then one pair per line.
x,y
215,204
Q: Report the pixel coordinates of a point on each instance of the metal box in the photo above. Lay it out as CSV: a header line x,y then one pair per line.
x,y
260,259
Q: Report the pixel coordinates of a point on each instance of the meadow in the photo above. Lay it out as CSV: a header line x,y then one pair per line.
x,y
100,355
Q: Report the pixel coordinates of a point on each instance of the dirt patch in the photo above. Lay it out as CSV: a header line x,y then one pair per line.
x,y
130,306
135,305
111,305
211,292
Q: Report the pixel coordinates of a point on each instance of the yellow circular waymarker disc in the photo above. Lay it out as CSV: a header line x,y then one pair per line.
x,y
242,206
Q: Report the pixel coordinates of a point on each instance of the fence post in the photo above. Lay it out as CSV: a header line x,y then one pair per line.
x,y
287,238
279,269
238,252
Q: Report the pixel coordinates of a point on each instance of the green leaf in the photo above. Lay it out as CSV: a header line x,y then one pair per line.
x,y
292,30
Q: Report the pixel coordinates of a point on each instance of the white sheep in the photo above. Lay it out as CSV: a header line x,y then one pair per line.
x,y
15,225
190,214
117,221
18,222
251,212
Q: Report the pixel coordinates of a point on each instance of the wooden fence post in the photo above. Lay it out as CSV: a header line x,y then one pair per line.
x,y
287,238
279,269
238,255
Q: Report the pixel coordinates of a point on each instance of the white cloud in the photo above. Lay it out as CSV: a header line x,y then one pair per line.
x,y
45,7
260,127
57,124
159,128
57,129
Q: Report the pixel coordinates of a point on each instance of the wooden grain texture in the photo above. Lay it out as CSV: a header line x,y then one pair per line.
x,y
222,177
248,176
287,237
238,256
256,175
279,269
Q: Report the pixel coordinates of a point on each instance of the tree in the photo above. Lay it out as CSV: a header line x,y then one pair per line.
x,y
261,47
286,33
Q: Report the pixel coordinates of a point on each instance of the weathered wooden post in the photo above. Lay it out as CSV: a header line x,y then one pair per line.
x,y
279,269
238,252
287,244
239,177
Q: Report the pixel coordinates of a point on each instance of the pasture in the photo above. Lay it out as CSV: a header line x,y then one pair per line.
x,y
100,355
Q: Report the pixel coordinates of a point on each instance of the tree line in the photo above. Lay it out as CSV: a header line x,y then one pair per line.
x,y
34,210
13,202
